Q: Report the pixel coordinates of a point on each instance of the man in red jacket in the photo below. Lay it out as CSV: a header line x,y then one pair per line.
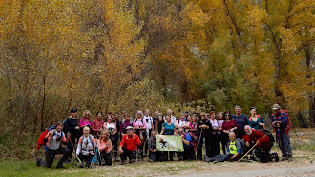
x,y
263,146
128,146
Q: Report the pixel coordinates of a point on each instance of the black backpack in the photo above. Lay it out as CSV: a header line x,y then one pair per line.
x,y
268,133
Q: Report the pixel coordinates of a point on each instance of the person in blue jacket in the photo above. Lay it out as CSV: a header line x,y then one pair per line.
x,y
241,120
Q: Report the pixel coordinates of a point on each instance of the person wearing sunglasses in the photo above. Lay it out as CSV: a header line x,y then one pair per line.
x,y
140,126
204,129
228,126
128,146
188,145
85,121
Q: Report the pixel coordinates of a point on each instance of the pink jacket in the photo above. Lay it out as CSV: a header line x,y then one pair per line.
x,y
102,146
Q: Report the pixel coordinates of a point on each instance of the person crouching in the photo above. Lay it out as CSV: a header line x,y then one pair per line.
x,y
55,137
188,145
85,148
105,147
128,146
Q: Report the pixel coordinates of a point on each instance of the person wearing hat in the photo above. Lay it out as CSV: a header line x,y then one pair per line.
x,y
128,146
205,131
279,122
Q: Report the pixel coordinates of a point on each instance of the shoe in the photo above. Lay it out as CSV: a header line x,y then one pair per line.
x,y
60,167
245,159
290,159
132,160
284,158
276,157
199,158
38,161
150,160
80,165
180,158
123,162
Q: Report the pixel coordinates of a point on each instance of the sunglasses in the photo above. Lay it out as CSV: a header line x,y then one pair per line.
x,y
203,115
129,130
87,114
139,114
227,115
180,132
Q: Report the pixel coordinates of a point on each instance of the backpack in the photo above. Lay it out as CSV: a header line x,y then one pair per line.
x,y
268,133
90,137
41,139
193,137
259,117
137,119
289,123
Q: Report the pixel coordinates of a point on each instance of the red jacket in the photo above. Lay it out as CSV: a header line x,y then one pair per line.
x,y
258,135
130,143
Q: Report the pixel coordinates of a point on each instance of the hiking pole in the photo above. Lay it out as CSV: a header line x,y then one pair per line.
x,y
198,143
248,151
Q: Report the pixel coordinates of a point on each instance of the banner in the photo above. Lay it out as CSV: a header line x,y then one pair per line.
x,y
169,143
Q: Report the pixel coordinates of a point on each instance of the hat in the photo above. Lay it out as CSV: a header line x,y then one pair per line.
x,y
275,107
129,127
186,112
207,114
160,114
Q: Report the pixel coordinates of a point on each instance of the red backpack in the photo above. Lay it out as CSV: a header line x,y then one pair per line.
x,y
289,123
193,137
259,117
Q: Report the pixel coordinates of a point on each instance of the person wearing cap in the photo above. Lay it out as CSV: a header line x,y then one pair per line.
x,y
241,121
279,122
71,125
205,131
128,146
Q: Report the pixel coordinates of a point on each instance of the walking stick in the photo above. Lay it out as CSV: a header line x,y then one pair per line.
x,y
198,143
248,152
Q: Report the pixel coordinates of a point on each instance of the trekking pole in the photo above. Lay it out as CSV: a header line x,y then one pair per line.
x,y
248,152
198,143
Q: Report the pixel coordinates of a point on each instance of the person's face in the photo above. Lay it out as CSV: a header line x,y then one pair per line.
x,y
160,118
232,137
168,118
129,132
276,111
156,113
87,114
180,131
127,118
212,116
109,118
227,116
194,118
182,117
99,115
253,112
247,129
104,135
59,128
169,113
116,116
74,114
153,134
139,115
188,118
203,117
146,113
86,132
237,110
220,116
186,114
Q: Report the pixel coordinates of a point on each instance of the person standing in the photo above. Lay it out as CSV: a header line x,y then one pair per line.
x,y
169,113
256,121
97,124
149,129
71,125
205,131
168,128
241,121
279,122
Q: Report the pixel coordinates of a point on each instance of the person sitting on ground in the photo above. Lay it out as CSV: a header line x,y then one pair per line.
x,y
55,137
105,147
233,152
128,146
85,148
153,154
97,124
263,142
188,145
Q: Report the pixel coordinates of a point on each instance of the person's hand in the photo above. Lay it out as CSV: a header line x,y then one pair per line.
x,y
68,135
278,125
154,150
247,143
182,136
120,151
51,132
107,144
76,127
141,137
257,141
232,130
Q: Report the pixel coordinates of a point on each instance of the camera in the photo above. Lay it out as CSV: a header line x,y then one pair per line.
x,y
58,138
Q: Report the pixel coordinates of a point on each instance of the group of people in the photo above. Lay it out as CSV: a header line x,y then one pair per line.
x,y
135,138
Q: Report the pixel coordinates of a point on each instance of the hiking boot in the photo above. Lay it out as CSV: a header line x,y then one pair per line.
x,y
123,162
80,165
245,159
290,159
59,167
276,157
180,158
38,161
150,160
132,160
284,158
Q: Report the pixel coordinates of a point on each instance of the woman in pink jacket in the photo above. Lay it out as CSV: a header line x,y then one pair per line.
x,y
105,147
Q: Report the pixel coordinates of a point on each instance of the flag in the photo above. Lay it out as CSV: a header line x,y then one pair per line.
x,y
169,143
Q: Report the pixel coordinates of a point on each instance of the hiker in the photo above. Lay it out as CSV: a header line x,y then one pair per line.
x,y
128,146
169,113
228,126
153,154
124,124
233,152
181,123
97,124
115,143
105,147
159,123
188,119
168,128
71,125
279,122
188,144
205,131
150,127
140,126
214,141
85,148
256,121
193,125
263,141
55,137
42,141
221,140
241,120
111,127
85,121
